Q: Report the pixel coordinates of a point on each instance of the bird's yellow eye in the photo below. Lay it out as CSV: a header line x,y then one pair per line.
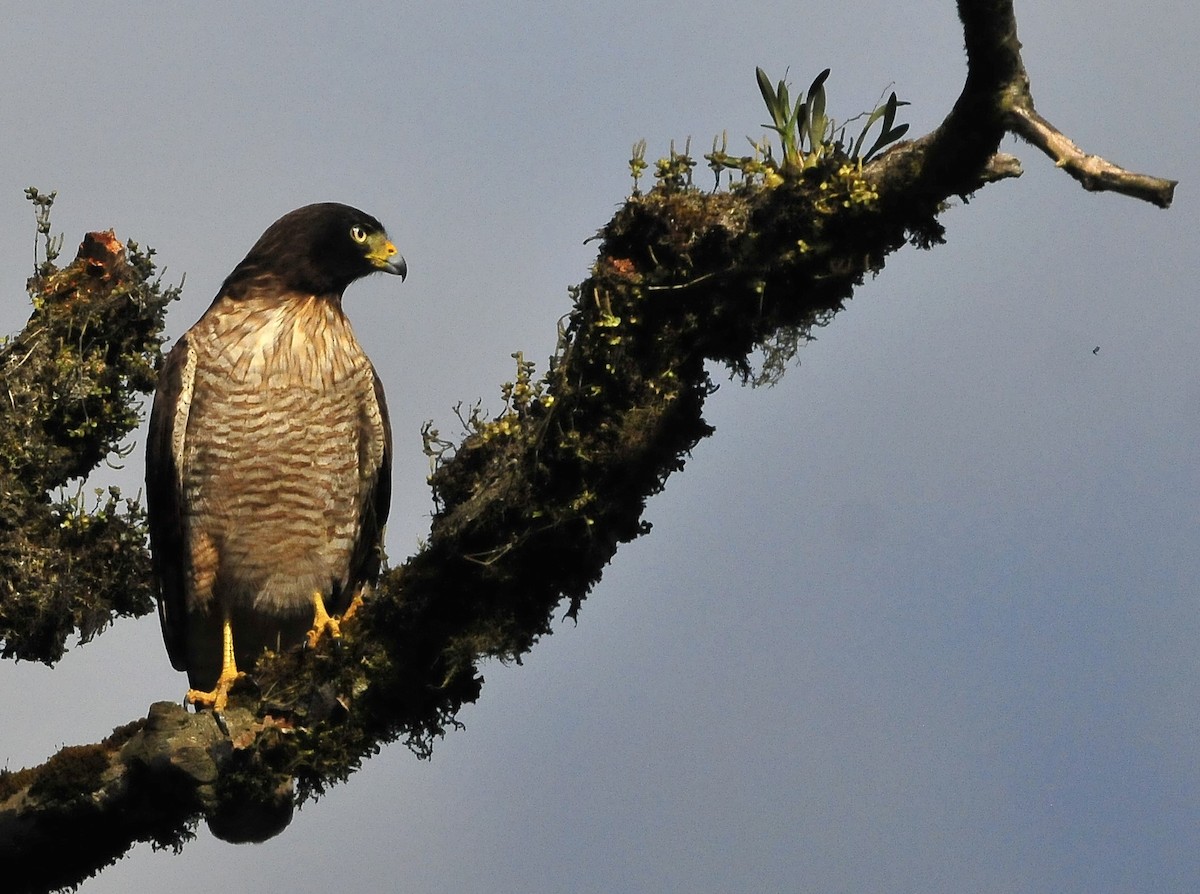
x,y
358,234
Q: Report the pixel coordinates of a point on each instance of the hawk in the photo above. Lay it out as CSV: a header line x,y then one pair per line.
x,y
268,464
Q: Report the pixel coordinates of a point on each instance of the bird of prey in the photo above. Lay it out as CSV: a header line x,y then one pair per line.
x,y
268,466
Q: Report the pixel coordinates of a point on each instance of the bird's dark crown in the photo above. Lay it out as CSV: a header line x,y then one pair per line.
x,y
315,250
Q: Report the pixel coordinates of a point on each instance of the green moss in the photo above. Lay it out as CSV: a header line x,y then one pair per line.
x,y
72,775
73,380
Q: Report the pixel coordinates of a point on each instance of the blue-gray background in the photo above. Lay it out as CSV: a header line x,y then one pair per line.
x,y
921,618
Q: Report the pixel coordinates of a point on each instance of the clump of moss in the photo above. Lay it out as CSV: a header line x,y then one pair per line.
x,y
72,775
71,382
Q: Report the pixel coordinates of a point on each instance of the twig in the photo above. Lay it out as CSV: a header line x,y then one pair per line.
x,y
1093,172
1000,166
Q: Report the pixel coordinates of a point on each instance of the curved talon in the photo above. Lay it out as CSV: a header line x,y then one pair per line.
x,y
218,698
323,623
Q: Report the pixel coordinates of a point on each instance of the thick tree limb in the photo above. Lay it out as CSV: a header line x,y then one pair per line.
x,y
533,503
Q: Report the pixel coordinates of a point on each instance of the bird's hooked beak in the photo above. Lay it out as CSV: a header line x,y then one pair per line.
x,y
384,256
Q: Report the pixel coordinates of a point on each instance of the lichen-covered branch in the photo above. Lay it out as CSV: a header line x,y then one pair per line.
x,y
69,394
534,502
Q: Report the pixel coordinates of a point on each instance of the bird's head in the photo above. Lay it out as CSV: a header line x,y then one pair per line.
x,y
320,249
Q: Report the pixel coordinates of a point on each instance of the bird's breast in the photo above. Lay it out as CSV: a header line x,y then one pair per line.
x,y
301,343
282,433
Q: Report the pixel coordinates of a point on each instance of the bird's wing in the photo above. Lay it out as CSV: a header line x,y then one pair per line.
x,y
376,494
164,495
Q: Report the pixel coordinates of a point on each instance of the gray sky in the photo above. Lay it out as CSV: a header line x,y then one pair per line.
x,y
921,618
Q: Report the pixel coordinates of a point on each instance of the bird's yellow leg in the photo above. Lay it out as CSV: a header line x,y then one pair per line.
x,y
322,622
229,673
355,605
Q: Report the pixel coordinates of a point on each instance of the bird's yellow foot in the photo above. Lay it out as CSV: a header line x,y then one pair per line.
x,y
323,623
219,696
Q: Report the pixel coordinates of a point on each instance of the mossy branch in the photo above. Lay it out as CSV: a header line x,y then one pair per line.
x,y
69,395
534,503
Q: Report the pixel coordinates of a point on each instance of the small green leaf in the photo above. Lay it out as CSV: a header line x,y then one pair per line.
x,y
817,98
888,135
889,113
887,138
862,137
818,82
770,97
817,121
764,86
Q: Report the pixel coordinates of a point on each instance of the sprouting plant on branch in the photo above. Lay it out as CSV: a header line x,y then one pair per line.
x,y
891,132
803,128
807,135
51,245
